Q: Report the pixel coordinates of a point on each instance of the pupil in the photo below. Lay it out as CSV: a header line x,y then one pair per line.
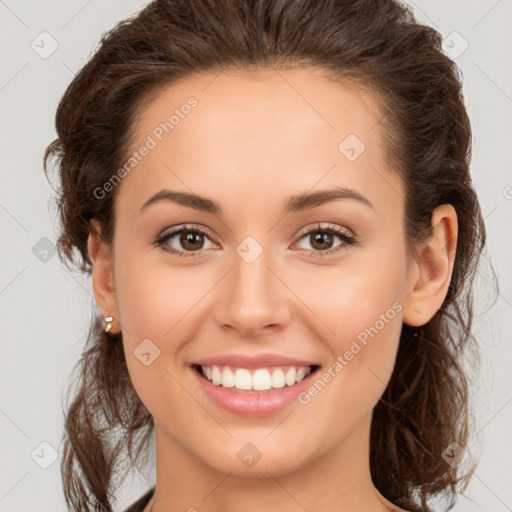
x,y
321,237
190,238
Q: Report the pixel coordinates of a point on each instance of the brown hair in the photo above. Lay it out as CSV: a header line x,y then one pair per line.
x,y
374,44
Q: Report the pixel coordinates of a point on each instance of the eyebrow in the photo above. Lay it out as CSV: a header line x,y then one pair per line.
x,y
293,204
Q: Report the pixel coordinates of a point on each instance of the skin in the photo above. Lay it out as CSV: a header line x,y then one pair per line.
x,y
250,143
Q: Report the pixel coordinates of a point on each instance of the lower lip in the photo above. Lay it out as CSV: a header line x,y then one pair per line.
x,y
261,403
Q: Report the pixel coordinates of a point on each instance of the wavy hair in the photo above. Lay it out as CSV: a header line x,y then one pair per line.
x,y
377,45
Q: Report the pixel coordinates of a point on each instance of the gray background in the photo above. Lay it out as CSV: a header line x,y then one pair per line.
x,y
46,309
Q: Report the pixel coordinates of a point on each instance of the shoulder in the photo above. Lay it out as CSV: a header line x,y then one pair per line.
x,y
139,505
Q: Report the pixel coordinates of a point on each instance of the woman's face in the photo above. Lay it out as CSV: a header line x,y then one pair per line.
x,y
268,280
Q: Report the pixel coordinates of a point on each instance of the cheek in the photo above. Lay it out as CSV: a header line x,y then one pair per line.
x,y
358,316
154,305
368,308
371,297
152,299
344,302
160,304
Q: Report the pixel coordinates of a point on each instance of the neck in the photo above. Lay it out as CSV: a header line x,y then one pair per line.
x,y
337,481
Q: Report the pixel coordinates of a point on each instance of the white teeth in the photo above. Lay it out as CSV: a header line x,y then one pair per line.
x,y
216,375
278,379
243,379
301,373
262,379
290,376
228,378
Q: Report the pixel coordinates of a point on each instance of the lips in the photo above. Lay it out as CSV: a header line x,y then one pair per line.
x,y
259,361
253,386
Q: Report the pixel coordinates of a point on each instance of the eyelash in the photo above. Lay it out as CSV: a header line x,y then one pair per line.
x,y
332,229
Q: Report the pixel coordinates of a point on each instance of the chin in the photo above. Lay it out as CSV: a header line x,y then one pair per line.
x,y
257,459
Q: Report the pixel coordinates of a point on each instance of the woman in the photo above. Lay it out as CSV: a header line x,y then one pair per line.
x,y
274,202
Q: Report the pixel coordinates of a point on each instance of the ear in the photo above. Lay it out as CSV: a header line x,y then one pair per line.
x,y
103,275
432,269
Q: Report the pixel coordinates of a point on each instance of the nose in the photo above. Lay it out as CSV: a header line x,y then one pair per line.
x,y
254,297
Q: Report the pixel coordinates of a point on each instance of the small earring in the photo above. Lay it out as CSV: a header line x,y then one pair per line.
x,y
108,320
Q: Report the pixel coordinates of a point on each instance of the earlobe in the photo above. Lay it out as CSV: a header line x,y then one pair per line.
x,y
102,274
434,264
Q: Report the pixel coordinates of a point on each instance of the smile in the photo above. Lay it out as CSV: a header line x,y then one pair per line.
x,y
254,379
254,391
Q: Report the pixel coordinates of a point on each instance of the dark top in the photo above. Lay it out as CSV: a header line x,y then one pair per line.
x,y
139,505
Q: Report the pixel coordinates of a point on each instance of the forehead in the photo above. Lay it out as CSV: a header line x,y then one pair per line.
x,y
262,134
254,102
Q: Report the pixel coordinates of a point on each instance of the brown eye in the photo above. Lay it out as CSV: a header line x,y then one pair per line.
x,y
321,240
191,240
186,241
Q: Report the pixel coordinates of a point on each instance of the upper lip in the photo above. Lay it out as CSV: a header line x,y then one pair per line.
x,y
257,361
